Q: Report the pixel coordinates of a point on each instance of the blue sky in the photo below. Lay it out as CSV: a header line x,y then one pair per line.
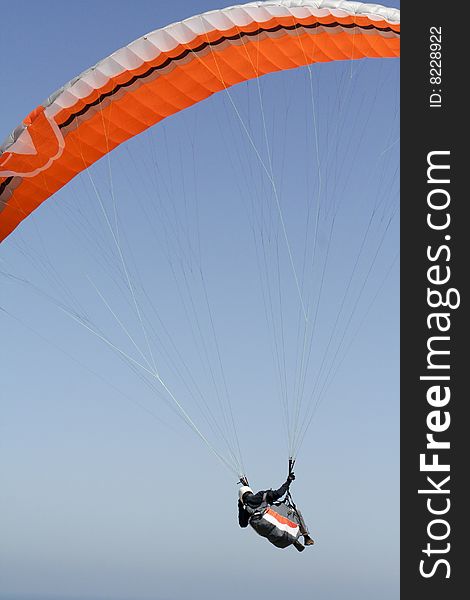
x,y
105,492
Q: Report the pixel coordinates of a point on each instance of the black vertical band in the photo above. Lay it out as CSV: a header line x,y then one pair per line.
x,y
435,257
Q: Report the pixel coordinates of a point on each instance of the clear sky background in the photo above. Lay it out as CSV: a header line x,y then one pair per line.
x,y
104,492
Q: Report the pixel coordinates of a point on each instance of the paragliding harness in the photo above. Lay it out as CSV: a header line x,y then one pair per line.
x,y
277,522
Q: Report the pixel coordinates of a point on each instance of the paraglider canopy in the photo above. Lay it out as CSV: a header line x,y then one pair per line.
x,y
161,74
170,69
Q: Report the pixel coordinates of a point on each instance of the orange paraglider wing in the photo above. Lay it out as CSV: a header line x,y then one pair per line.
x,y
170,69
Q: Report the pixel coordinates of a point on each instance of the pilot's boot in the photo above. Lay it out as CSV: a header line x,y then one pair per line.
x,y
299,546
308,540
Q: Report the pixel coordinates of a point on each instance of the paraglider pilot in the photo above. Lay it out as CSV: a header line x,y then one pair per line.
x,y
248,503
